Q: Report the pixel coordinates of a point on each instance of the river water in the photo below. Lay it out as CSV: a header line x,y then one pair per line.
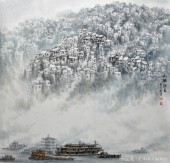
x,y
129,158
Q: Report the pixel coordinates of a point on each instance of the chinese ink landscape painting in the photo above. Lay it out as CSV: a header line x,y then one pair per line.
x,y
85,81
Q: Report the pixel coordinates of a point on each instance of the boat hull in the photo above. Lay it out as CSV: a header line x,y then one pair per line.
x,y
51,158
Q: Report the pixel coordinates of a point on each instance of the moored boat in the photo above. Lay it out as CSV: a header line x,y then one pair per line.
x,y
140,151
106,155
79,149
40,155
15,146
7,158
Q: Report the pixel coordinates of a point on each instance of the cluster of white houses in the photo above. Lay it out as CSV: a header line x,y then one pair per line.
x,y
85,56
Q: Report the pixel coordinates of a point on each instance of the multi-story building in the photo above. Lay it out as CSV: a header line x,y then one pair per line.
x,y
48,144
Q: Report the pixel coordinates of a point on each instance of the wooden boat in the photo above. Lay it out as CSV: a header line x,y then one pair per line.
x,y
7,158
106,155
40,155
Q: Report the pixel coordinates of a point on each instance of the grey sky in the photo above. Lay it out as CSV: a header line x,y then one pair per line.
x,y
14,11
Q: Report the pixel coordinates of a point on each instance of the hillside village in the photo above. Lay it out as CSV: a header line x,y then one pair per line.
x,y
89,56
95,44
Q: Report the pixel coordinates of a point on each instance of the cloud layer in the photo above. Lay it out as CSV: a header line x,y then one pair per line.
x,y
96,116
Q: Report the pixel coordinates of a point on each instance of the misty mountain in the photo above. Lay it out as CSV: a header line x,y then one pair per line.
x,y
97,45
